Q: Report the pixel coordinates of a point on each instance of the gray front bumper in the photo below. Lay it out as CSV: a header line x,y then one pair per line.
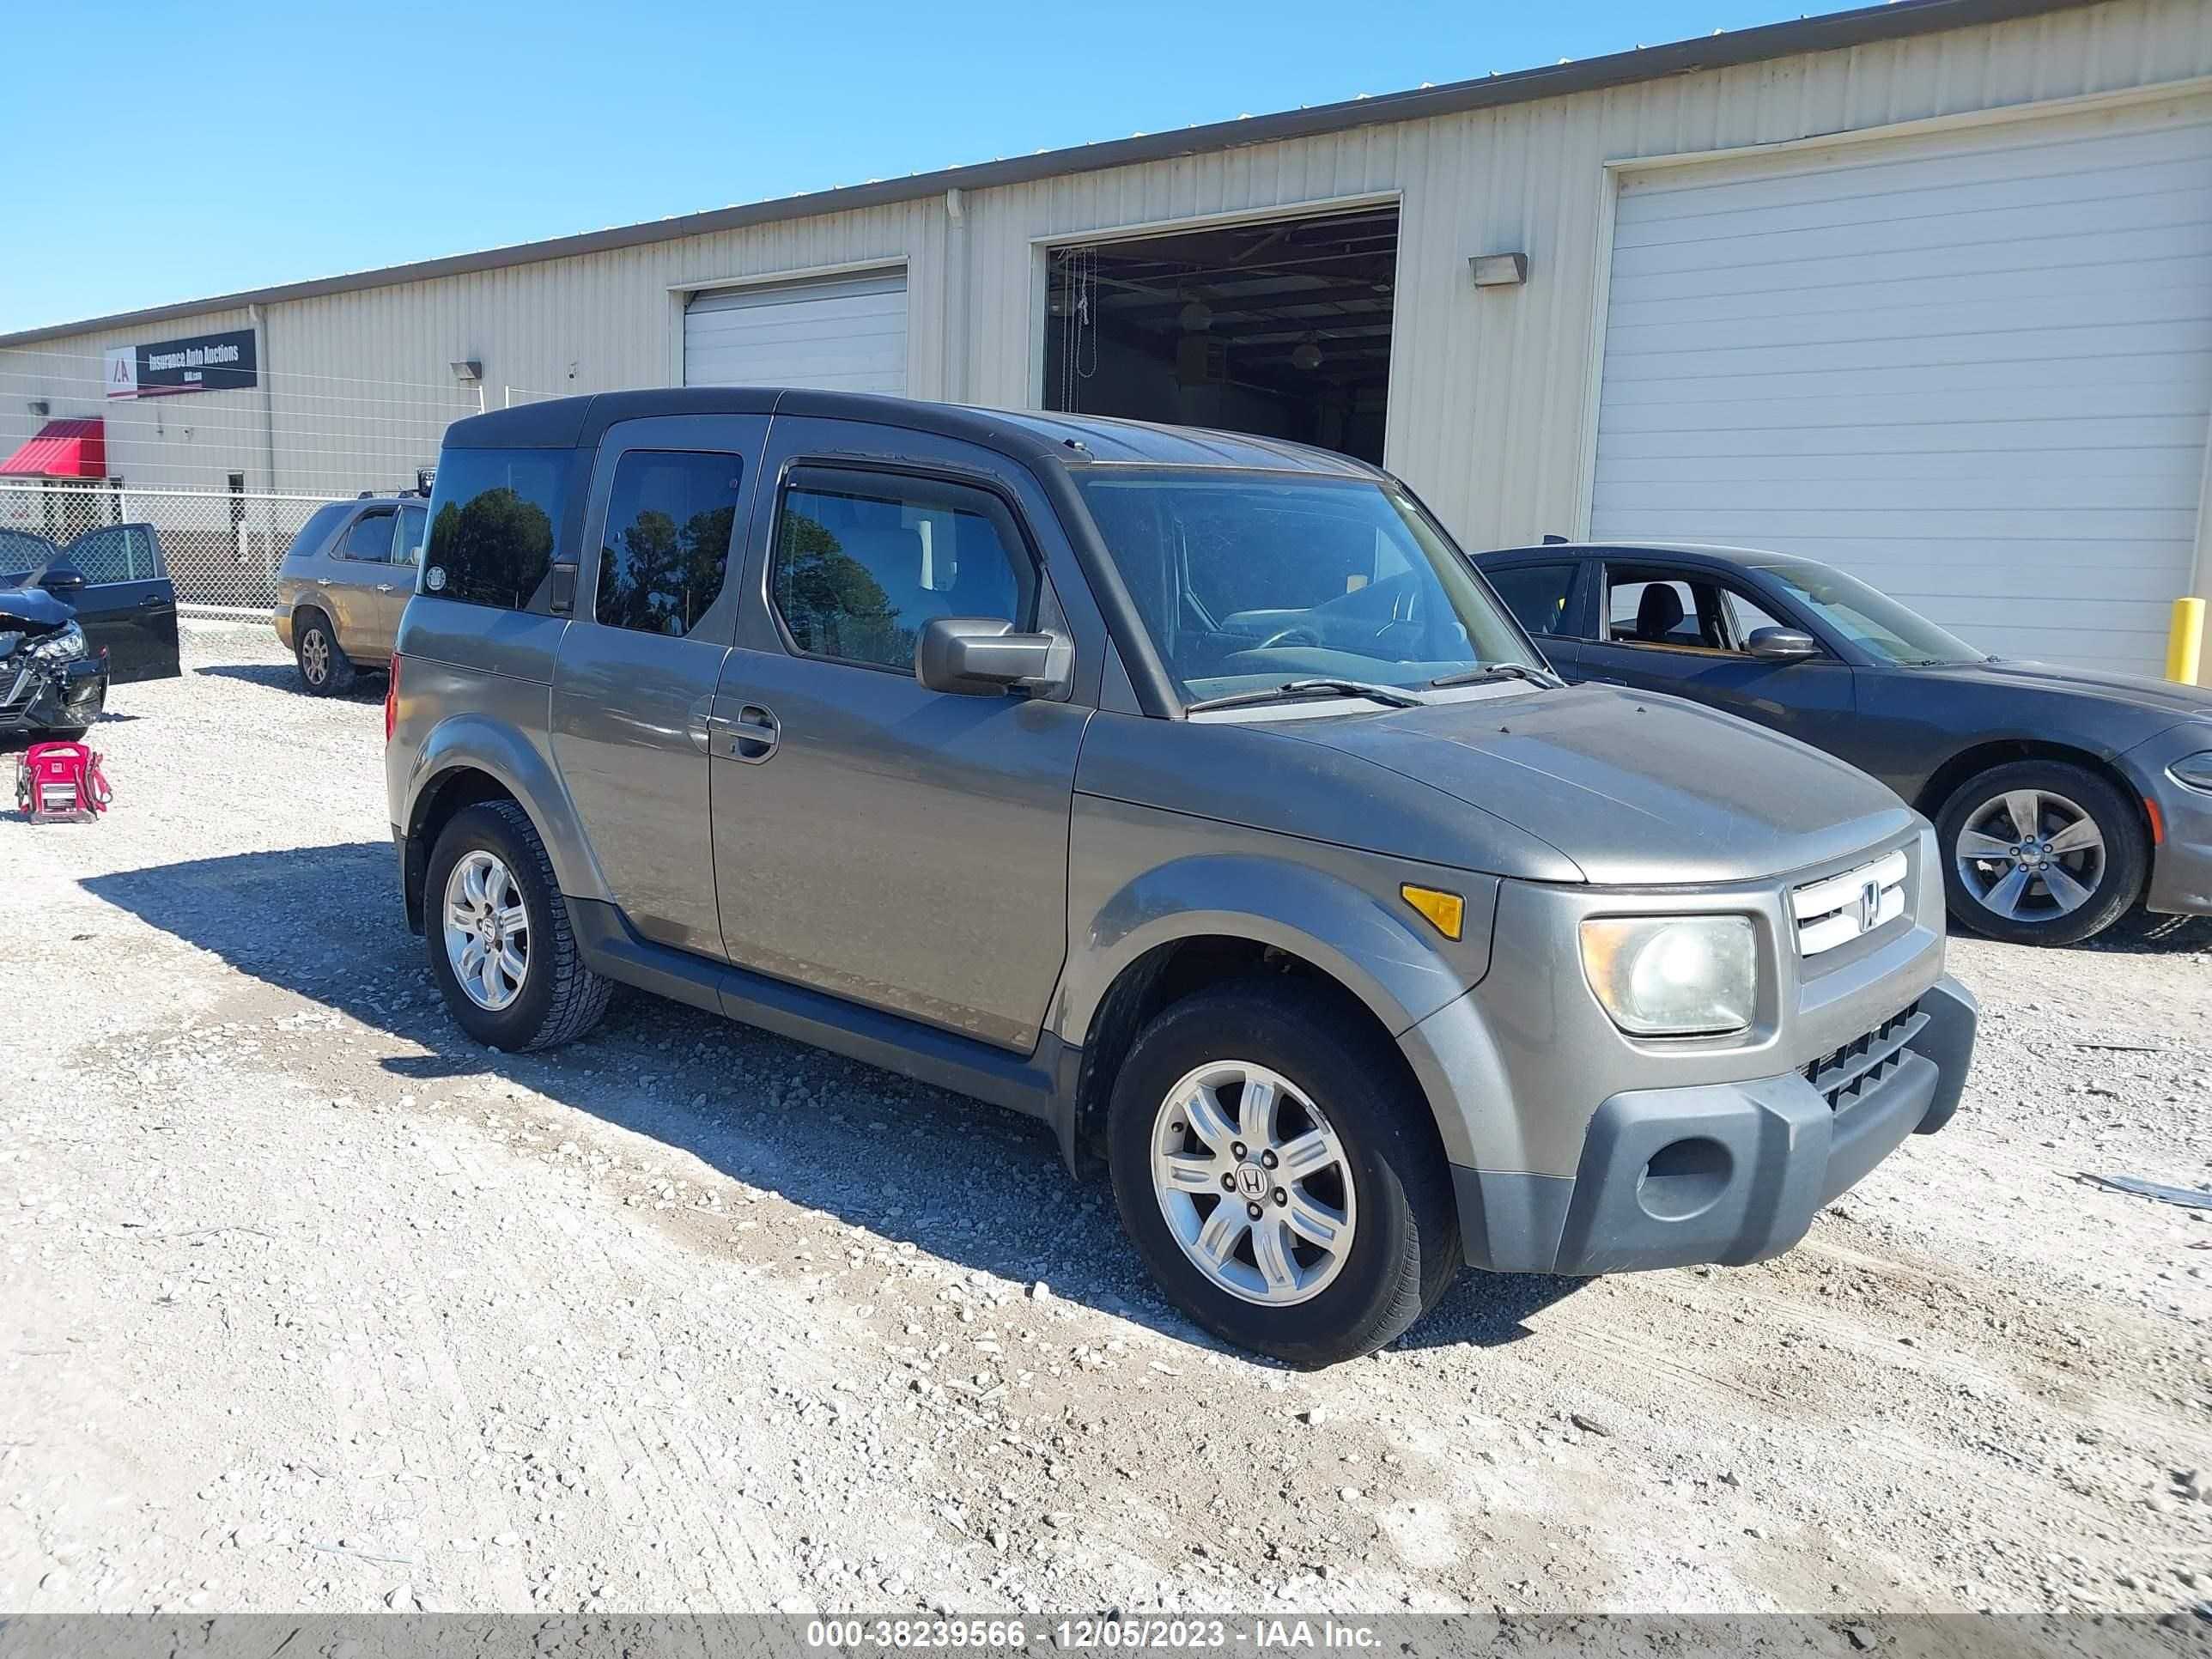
x,y
1724,1172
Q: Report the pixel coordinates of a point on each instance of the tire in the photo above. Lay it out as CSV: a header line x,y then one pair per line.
x,y
558,997
2072,885
1332,1077
325,670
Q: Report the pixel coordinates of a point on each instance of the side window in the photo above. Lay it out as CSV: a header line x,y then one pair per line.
x,y
667,539
1536,594
493,518
145,553
104,556
369,540
862,563
1645,608
407,540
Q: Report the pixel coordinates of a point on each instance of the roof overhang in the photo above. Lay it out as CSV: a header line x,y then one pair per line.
x,y
62,449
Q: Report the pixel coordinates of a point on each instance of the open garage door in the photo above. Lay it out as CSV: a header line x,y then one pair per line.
x,y
1280,328
847,334
1973,369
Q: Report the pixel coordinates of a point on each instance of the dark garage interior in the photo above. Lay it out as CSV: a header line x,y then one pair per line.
x,y
1280,328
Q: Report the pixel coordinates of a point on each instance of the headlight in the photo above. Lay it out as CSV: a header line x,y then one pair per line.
x,y
2195,770
1673,975
61,646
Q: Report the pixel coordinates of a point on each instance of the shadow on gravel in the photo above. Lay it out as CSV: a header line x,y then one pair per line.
x,y
961,1179
282,676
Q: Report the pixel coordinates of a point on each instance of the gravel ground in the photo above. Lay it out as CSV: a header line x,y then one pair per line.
x,y
308,1304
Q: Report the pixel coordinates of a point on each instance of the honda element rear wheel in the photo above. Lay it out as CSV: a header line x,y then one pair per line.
x,y
500,943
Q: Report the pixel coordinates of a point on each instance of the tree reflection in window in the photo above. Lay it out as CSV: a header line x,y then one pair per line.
x,y
491,525
499,544
667,546
832,602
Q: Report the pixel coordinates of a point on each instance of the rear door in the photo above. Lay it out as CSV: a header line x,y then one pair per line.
x,y
356,574
1682,628
128,606
381,606
635,685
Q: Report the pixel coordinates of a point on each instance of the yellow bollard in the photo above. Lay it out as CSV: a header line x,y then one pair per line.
x,y
2185,645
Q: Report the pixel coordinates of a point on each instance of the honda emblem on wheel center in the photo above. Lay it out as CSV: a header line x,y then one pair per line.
x,y
1251,1180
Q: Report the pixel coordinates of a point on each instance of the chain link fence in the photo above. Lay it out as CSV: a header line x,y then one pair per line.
x,y
223,546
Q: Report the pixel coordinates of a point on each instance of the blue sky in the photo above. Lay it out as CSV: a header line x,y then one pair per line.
x,y
168,152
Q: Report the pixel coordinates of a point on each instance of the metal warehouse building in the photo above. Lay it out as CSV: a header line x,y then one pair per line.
x,y
1924,290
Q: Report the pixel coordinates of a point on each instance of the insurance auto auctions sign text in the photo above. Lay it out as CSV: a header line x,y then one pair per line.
x,y
206,362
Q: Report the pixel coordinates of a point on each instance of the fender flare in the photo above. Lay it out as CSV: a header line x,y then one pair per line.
x,y
472,743
1358,939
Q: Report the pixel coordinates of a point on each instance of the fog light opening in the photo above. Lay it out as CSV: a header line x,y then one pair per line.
x,y
1684,1178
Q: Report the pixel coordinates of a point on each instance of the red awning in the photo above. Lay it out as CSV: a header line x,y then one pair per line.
x,y
62,449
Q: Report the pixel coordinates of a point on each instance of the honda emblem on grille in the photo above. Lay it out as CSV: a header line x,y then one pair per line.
x,y
1870,907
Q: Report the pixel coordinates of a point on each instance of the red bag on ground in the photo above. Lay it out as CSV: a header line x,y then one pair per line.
x,y
61,782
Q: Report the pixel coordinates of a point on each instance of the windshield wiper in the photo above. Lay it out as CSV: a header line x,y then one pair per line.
x,y
1290,689
1500,671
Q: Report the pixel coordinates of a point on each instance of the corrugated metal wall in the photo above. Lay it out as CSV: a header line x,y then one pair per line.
x,y
1489,394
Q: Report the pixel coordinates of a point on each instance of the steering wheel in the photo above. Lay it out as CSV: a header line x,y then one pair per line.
x,y
1294,635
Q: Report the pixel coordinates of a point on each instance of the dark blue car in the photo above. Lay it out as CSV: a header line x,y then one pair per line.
x,y
2061,796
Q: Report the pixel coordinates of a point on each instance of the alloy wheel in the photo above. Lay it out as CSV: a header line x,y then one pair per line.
x,y
1253,1183
487,929
2030,855
315,655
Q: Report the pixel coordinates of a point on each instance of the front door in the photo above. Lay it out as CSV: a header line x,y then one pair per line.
x,y
1683,629
897,846
639,663
128,606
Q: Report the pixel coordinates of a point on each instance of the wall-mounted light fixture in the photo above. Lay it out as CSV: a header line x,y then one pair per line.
x,y
40,409
467,370
1499,270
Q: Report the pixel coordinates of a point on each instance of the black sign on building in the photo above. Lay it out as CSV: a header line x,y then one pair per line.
x,y
205,363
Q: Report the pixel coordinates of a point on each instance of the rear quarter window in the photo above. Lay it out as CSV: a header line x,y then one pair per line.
x,y
322,524
494,517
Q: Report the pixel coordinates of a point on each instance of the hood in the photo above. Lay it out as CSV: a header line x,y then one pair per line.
x,y
1636,788
2159,702
33,609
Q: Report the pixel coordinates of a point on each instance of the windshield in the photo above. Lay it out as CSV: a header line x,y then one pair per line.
x,y
1870,618
1245,581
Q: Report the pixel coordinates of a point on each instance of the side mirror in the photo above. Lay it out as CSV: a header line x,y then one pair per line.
x,y
984,657
1782,644
63,581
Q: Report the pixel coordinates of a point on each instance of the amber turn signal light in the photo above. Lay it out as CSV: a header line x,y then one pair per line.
x,y
1447,912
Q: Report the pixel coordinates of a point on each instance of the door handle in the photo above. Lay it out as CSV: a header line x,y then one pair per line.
x,y
322,582
384,587
150,601
753,734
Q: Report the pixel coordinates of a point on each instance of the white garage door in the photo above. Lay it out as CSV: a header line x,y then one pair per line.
x,y
1973,370
847,335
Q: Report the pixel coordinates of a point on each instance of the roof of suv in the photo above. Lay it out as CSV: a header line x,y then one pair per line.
x,y
1070,440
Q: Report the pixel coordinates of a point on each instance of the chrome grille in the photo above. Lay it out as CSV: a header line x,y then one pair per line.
x,y
1837,909
1844,1077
